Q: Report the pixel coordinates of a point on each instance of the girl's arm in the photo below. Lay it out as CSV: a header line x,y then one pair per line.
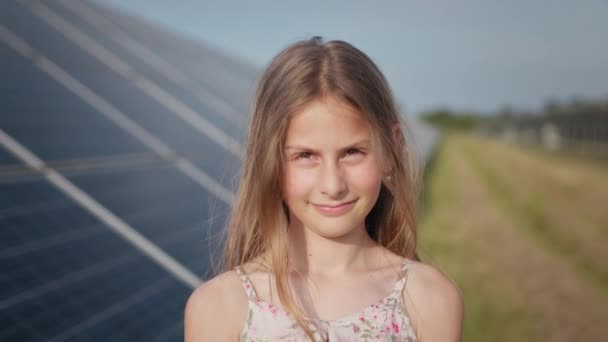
x,y
216,310
437,304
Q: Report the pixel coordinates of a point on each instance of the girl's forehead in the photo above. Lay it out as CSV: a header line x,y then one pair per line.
x,y
327,119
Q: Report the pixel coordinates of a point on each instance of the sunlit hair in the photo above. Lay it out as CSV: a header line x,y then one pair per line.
x,y
303,72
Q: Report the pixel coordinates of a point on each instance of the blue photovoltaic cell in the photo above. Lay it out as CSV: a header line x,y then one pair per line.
x,y
6,158
36,209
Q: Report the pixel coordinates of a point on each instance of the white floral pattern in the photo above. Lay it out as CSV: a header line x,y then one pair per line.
x,y
386,320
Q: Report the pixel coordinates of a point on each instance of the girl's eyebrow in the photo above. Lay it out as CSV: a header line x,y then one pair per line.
x,y
364,142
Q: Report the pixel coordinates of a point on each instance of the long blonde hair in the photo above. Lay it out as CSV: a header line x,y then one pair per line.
x,y
301,73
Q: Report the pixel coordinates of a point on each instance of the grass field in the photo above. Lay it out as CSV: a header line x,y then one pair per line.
x,y
524,234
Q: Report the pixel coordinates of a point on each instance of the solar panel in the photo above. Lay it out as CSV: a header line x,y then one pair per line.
x,y
167,75
231,79
6,160
119,147
62,269
52,121
114,176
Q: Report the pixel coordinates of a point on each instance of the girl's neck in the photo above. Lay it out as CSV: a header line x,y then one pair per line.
x,y
312,254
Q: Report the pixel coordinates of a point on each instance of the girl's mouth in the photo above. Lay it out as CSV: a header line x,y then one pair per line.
x,y
334,209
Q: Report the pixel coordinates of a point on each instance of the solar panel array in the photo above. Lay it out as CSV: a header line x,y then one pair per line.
x,y
119,146
120,143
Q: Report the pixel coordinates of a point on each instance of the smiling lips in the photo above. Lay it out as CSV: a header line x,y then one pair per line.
x,y
336,209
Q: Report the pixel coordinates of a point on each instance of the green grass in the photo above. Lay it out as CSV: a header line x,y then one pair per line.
x,y
494,309
529,210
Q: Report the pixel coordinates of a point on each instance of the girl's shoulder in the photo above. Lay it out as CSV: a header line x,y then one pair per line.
x,y
434,302
216,310
429,283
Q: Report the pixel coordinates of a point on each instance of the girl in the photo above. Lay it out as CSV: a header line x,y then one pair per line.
x,y
322,240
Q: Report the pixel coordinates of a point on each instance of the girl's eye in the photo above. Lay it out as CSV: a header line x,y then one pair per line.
x,y
352,151
303,155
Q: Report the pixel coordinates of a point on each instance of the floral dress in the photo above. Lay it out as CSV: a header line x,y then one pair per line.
x,y
385,320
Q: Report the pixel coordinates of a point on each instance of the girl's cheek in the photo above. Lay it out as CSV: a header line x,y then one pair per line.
x,y
367,177
298,182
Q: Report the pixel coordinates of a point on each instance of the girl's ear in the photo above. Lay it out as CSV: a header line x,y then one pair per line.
x,y
397,133
398,139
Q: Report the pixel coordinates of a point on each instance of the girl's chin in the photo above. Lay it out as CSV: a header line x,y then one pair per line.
x,y
336,229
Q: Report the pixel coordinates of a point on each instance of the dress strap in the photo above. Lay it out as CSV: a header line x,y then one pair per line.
x,y
405,268
249,289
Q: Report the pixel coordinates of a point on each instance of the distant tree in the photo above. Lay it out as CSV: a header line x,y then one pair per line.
x,y
551,106
445,119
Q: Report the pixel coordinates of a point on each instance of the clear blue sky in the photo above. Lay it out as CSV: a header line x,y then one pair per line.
x,y
468,54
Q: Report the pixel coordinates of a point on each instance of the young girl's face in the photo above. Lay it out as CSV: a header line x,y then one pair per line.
x,y
332,174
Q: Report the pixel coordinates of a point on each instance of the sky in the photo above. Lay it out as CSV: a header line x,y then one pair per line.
x,y
466,55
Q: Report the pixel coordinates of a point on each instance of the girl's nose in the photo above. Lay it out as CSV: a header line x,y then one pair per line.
x,y
332,182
